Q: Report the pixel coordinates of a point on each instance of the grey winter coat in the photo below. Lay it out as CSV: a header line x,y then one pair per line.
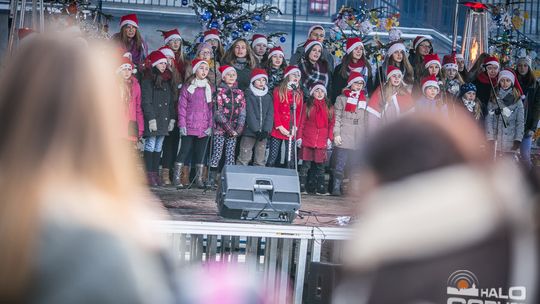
x,y
352,127
259,113
515,124
295,59
157,104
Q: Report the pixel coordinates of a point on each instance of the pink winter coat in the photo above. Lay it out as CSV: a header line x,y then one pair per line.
x,y
194,113
133,113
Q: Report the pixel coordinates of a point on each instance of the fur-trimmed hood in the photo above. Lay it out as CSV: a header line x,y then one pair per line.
x,y
435,212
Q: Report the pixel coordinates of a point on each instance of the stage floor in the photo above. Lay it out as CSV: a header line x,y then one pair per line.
x,y
197,205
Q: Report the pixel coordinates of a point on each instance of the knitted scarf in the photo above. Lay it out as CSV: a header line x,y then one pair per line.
x,y
313,73
197,83
321,113
355,100
258,92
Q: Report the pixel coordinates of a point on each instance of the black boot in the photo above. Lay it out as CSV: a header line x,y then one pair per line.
x,y
148,164
321,187
336,189
303,176
155,167
211,182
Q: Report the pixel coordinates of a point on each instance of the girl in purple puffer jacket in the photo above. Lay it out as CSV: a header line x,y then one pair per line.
x,y
194,121
229,121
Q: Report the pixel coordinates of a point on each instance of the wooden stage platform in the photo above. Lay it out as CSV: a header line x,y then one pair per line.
x,y
197,205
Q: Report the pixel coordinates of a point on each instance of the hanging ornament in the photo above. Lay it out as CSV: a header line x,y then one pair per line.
x,y
185,2
207,15
266,17
247,26
228,18
214,25
235,35
282,39
257,17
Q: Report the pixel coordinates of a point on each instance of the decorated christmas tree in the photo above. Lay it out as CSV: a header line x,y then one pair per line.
x,y
234,18
359,22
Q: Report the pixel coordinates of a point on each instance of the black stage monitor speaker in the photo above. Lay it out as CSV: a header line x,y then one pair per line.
x,y
258,193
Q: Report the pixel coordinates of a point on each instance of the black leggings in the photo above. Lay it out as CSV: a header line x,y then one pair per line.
x,y
198,145
170,148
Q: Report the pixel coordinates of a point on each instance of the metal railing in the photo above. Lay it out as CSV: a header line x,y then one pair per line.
x,y
267,249
305,8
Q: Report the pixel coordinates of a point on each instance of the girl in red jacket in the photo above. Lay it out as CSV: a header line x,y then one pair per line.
x,y
315,136
130,91
287,96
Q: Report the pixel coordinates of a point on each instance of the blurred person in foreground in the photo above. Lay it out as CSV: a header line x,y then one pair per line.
x,y
435,205
74,210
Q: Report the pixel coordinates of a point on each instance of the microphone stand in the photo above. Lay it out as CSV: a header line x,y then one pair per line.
x,y
498,115
292,124
214,110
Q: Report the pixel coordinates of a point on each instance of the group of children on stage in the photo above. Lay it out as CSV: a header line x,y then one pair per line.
x,y
246,105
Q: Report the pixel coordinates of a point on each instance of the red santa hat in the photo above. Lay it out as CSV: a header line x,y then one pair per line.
x,y
396,47
196,63
276,51
259,39
355,77
125,63
311,43
167,51
316,87
430,59
258,74
418,40
315,27
211,34
170,35
392,70
157,57
492,60
429,81
450,62
25,33
353,43
224,70
291,69
130,19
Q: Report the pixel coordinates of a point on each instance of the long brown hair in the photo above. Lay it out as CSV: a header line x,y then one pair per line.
x,y
230,57
126,40
282,91
408,74
388,90
62,153
347,59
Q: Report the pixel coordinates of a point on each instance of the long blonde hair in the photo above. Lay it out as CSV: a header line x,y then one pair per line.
x,y
62,153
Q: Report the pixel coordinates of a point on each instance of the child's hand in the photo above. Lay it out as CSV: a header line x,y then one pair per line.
x,y
183,131
152,125
337,140
328,144
299,143
284,131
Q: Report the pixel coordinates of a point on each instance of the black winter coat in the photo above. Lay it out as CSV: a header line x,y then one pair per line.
x,y
157,104
532,107
259,113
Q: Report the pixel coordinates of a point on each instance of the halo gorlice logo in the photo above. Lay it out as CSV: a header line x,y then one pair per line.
x,y
463,288
462,283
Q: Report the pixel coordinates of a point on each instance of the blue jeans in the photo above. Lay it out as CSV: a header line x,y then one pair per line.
x,y
153,143
525,150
